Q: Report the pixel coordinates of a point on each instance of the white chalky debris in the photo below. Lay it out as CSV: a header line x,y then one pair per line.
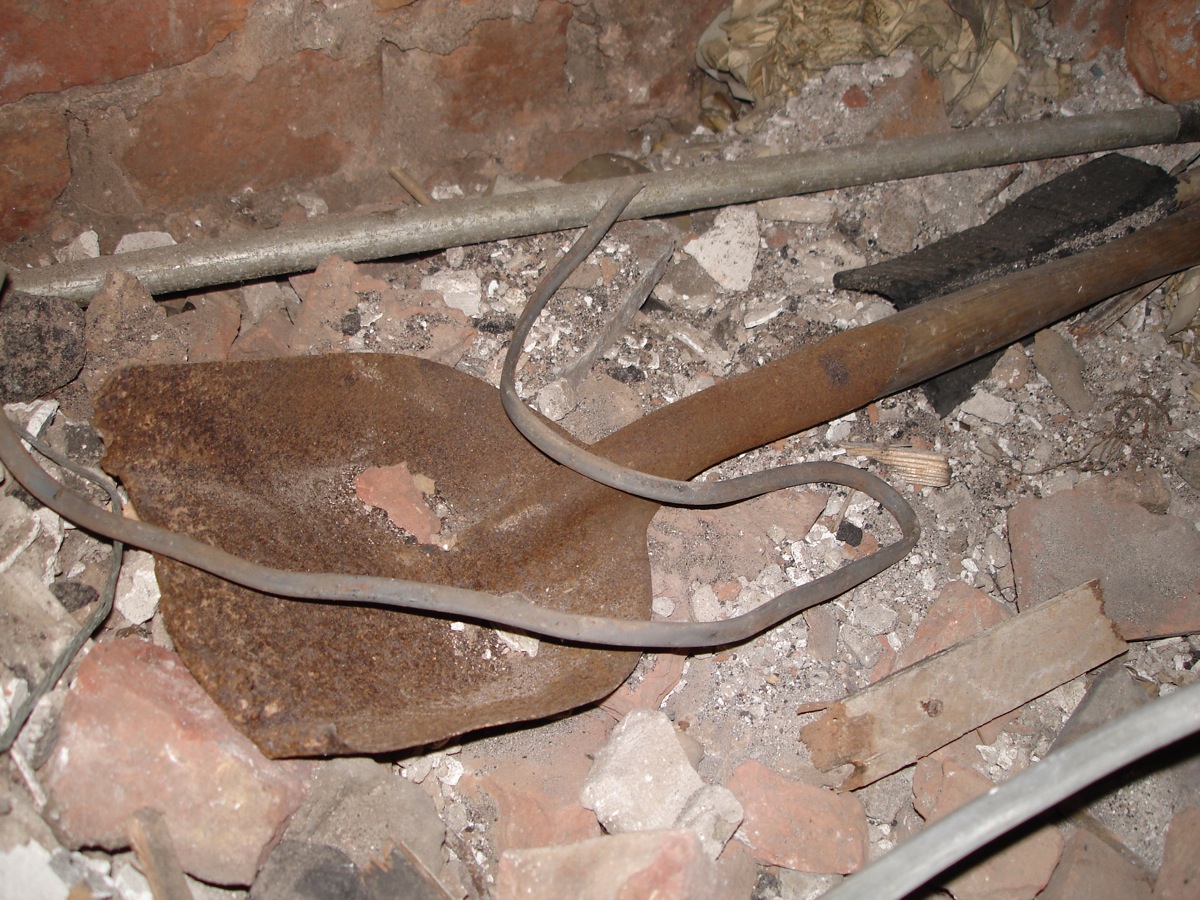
x,y
522,643
762,313
461,290
641,779
663,606
729,250
86,246
144,240
990,408
137,588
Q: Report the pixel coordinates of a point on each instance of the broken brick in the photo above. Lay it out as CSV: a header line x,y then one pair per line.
x,y
796,825
666,865
395,490
1179,875
137,731
1160,48
959,612
1019,870
1092,870
1073,536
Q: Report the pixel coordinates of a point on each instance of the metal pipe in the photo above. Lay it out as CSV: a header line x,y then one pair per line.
x,y
200,264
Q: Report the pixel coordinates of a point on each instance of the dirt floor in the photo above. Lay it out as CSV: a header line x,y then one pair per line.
x,y
1016,438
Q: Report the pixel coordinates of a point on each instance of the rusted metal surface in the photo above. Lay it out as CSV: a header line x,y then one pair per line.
x,y
259,458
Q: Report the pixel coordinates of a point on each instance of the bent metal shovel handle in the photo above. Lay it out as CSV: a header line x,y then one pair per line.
x,y
849,370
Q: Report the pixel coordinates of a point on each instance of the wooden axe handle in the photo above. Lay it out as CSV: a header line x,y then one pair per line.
x,y
849,370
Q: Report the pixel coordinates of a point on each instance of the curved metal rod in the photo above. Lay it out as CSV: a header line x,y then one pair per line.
x,y
1064,772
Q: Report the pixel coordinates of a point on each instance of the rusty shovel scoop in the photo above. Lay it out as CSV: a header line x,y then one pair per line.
x,y
260,459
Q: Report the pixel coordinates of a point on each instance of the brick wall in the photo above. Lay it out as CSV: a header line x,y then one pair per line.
x,y
116,114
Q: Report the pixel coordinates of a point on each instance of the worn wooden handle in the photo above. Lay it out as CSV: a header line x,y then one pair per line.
x,y
849,370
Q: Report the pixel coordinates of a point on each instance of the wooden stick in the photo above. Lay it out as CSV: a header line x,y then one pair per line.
x,y
151,841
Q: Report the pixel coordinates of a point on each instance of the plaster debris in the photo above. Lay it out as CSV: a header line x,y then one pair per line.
x,y
729,249
461,289
144,240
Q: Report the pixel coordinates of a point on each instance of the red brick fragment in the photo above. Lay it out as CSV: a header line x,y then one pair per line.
x,y
1021,869
1092,870
137,731
666,865
1161,41
796,825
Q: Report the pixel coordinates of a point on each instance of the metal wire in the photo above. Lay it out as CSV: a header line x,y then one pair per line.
x,y
1060,775
453,223
511,611
103,606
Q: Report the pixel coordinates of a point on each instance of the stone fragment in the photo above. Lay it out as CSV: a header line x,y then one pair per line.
x,y
395,490
1012,369
143,240
556,400
137,588
642,779
1076,535
1019,870
714,813
308,872
959,612
100,41
797,825
364,808
136,730
19,528
41,345
123,326
666,865
33,145
461,290
685,284
27,871
1148,489
1179,875
85,246
258,133
1160,48
989,407
805,210
1092,870
1061,365
34,630
914,711
1112,694
729,249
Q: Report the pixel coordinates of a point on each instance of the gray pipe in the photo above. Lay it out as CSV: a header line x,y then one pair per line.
x,y
299,248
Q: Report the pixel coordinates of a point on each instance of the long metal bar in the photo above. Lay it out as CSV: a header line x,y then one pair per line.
x,y
299,248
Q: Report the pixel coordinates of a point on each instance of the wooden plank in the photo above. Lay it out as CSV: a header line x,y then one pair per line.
x,y
915,711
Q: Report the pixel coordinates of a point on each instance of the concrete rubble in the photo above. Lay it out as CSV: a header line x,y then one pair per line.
x,y
715,774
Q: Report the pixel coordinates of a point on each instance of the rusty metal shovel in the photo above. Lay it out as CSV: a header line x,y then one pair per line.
x,y
259,458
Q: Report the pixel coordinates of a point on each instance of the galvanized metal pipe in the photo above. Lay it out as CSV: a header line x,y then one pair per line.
x,y
199,264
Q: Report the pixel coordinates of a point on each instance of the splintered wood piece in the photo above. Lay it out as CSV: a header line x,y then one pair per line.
x,y
910,714
155,850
